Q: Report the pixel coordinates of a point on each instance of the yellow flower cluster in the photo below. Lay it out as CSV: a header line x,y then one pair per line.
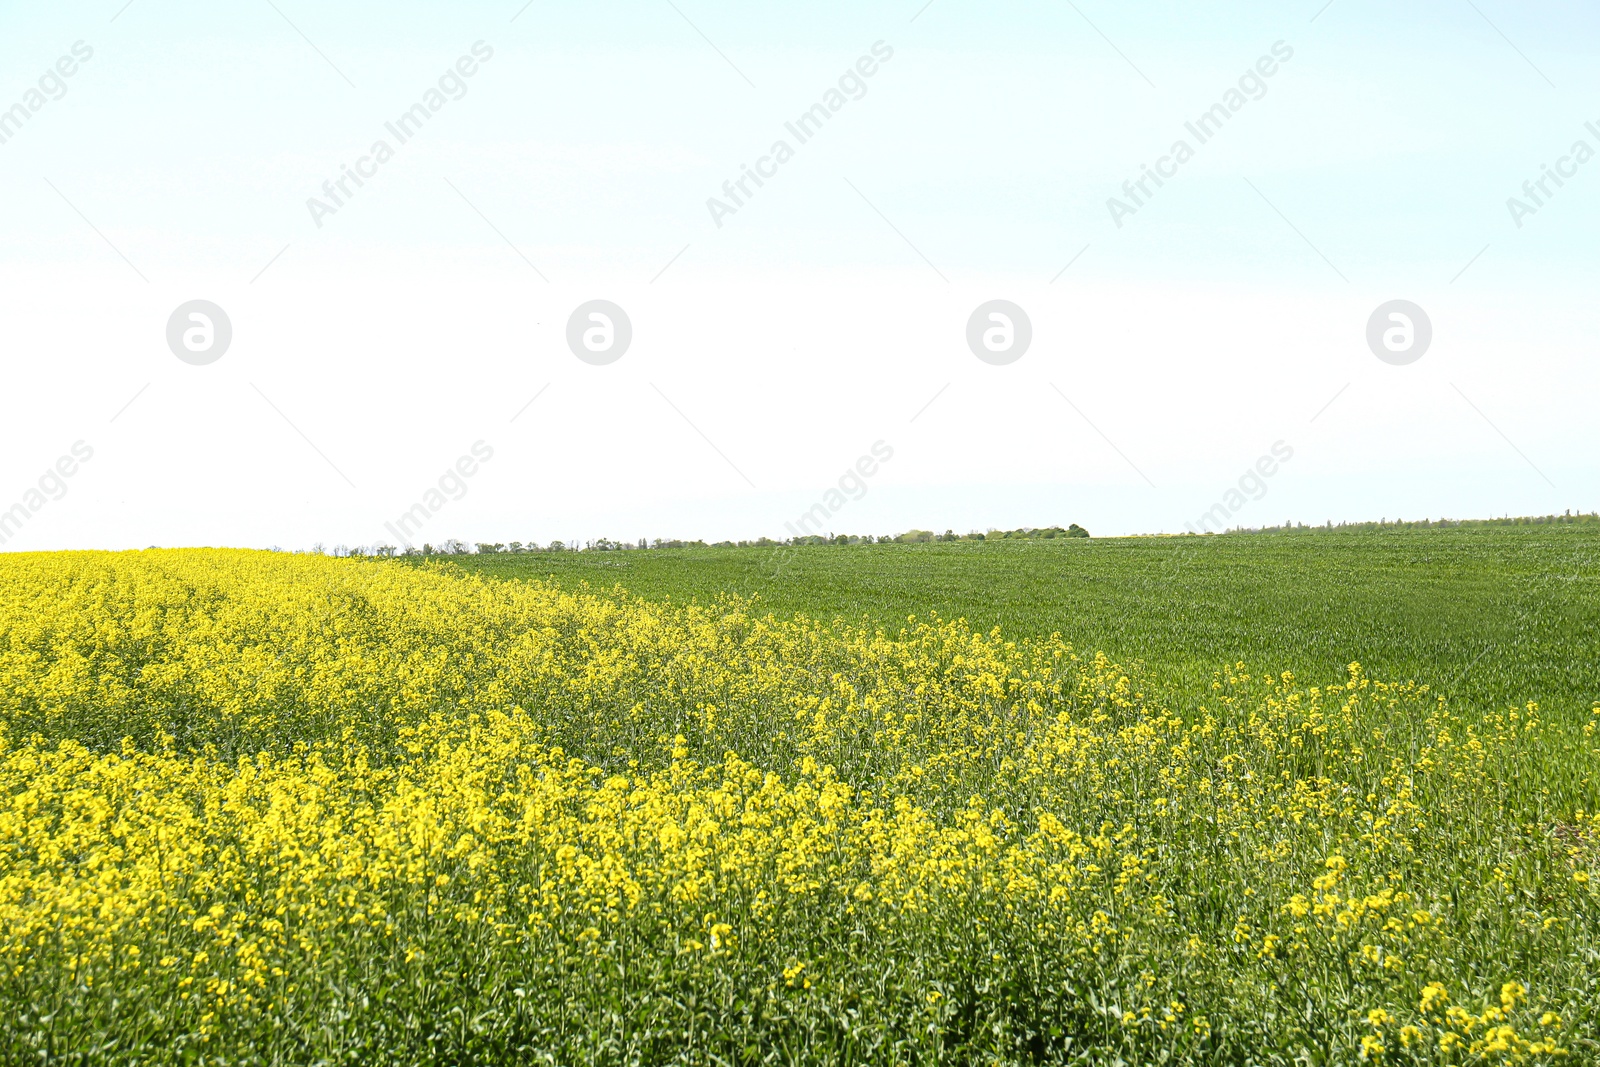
x,y
1454,1032
309,807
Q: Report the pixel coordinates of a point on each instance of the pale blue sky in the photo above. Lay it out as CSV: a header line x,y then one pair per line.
x,y
1172,353
1395,135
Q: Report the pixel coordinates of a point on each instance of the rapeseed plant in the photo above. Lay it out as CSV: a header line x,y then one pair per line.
x,y
268,809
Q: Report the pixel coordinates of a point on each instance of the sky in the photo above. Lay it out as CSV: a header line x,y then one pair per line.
x,y
411,356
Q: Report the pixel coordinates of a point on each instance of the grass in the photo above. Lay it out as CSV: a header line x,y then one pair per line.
x,y
1491,616
274,809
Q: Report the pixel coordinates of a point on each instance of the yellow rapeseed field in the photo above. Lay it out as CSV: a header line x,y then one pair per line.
x,y
262,808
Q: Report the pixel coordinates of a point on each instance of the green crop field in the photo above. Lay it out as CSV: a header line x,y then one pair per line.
x,y
830,804
1489,615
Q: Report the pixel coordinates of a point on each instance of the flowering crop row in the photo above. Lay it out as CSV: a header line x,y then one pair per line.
x,y
258,808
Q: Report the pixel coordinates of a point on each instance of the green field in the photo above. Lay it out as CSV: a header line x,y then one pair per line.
x,y
263,808
1489,615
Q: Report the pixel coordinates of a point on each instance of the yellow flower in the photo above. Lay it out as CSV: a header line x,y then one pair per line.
x,y
269,771
1433,994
